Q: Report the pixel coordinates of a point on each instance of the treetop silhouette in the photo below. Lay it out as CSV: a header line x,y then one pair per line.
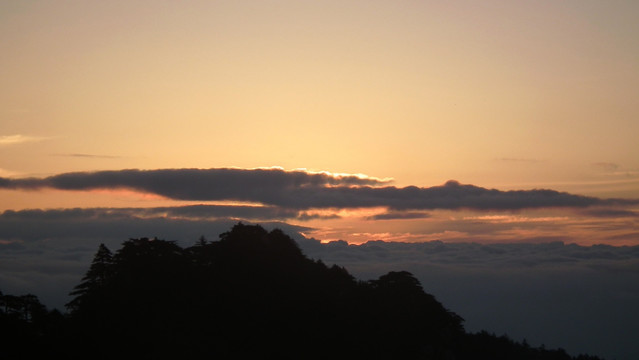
x,y
254,293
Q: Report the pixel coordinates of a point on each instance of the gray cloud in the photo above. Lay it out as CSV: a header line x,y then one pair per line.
x,y
399,215
580,298
220,211
187,212
46,252
606,166
451,195
193,184
304,216
611,213
303,190
532,291
28,225
520,160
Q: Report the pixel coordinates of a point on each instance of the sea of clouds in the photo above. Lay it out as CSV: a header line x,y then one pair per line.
x,y
581,298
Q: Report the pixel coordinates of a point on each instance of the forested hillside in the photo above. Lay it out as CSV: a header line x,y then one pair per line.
x,y
252,293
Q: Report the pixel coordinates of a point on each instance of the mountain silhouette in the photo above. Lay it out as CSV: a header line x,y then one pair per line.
x,y
252,294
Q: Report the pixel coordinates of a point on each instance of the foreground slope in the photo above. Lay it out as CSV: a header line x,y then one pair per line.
x,y
254,293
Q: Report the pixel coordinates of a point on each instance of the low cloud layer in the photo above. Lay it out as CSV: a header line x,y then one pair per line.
x,y
19,227
304,190
399,215
46,252
582,298
538,291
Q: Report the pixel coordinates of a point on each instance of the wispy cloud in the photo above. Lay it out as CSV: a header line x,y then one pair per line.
x,y
606,166
90,156
610,213
16,139
399,215
519,160
7,173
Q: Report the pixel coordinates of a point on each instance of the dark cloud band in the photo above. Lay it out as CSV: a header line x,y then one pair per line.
x,y
191,184
302,190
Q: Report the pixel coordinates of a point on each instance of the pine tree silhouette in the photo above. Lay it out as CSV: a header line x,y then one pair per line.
x,y
253,293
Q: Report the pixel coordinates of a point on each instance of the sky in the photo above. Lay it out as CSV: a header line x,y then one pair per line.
x,y
490,123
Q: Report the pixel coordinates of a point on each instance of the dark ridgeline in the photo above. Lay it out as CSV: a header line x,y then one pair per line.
x,y
28,330
251,294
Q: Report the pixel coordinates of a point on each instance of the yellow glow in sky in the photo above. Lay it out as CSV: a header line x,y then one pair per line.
x,y
419,91
508,95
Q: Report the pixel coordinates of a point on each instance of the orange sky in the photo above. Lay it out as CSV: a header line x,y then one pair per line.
x,y
516,95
